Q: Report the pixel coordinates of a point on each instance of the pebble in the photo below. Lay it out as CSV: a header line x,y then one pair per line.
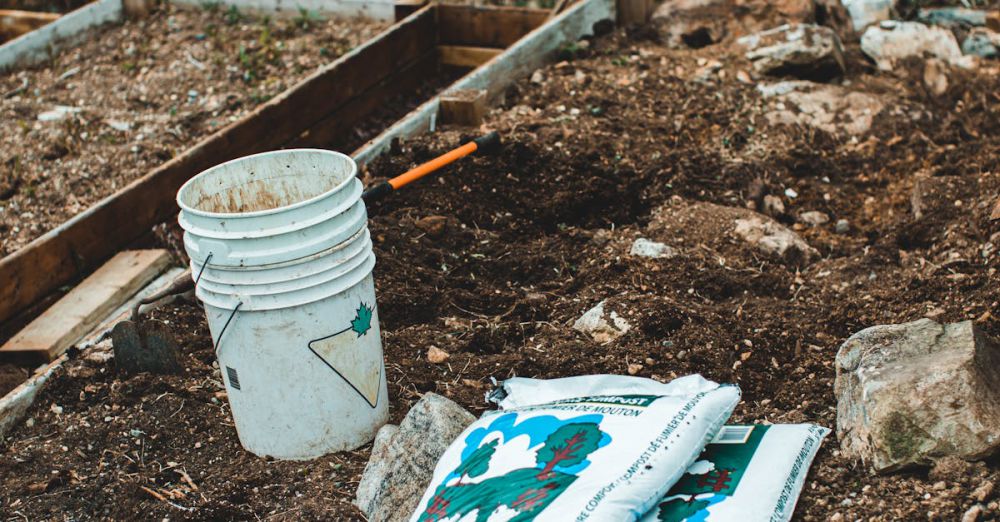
x,y
972,514
842,226
634,368
436,355
537,77
983,492
814,218
681,355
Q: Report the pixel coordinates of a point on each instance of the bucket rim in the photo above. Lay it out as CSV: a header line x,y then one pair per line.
x,y
352,176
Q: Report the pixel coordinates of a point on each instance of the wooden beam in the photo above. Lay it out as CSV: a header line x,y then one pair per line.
x,y
465,107
138,8
89,238
466,56
487,26
334,131
79,311
519,60
635,12
14,23
404,8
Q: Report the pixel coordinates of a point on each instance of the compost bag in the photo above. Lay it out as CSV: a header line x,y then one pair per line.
x,y
580,448
747,473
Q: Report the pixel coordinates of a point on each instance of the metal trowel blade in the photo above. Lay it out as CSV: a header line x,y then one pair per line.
x,y
146,348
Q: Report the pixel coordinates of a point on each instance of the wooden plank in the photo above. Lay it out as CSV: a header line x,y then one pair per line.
x,y
40,44
14,23
404,8
89,238
465,55
334,130
463,107
519,60
79,311
487,26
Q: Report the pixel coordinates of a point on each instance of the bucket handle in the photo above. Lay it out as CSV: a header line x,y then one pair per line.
x,y
218,342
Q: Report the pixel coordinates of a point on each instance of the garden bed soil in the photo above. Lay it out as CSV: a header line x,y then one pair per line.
x,y
540,233
135,94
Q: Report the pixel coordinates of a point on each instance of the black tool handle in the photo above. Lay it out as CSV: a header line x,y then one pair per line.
x,y
376,192
488,144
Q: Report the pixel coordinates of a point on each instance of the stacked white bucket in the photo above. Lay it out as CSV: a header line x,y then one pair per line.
x,y
282,245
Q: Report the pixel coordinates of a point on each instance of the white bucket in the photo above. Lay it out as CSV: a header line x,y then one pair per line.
x,y
281,243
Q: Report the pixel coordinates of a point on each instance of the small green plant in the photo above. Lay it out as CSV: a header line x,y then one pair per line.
x,y
305,19
212,6
233,15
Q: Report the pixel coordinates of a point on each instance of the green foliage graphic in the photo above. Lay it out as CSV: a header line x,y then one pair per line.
x,y
527,491
362,321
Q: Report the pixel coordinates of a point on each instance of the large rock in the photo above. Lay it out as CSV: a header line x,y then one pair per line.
x,y
867,12
728,230
403,458
890,42
911,393
982,42
831,108
801,50
952,17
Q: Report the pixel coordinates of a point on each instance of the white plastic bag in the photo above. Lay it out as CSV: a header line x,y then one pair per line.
x,y
596,448
746,474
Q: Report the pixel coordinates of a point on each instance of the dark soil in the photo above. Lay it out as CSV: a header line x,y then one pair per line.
x,y
541,232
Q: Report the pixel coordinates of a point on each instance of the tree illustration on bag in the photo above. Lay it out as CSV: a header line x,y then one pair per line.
x,y
527,491
568,446
478,462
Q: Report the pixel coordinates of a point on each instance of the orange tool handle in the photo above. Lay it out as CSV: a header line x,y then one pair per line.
x,y
432,165
487,143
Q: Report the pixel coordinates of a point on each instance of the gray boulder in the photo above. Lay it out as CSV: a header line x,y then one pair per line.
x,y
952,16
867,12
910,393
982,42
891,42
802,50
403,458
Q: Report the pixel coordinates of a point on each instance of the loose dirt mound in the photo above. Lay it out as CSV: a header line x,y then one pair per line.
x,y
536,236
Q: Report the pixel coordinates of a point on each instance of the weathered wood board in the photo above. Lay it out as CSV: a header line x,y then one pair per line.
x,y
79,311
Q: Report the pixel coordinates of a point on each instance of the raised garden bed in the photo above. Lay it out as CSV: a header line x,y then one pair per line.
x,y
543,232
134,95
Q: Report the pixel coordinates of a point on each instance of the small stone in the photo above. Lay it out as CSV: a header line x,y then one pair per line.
x,y
436,355
55,408
773,238
433,226
537,77
837,517
972,514
643,247
814,218
743,77
30,422
983,492
601,326
634,368
842,226
681,355
773,206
